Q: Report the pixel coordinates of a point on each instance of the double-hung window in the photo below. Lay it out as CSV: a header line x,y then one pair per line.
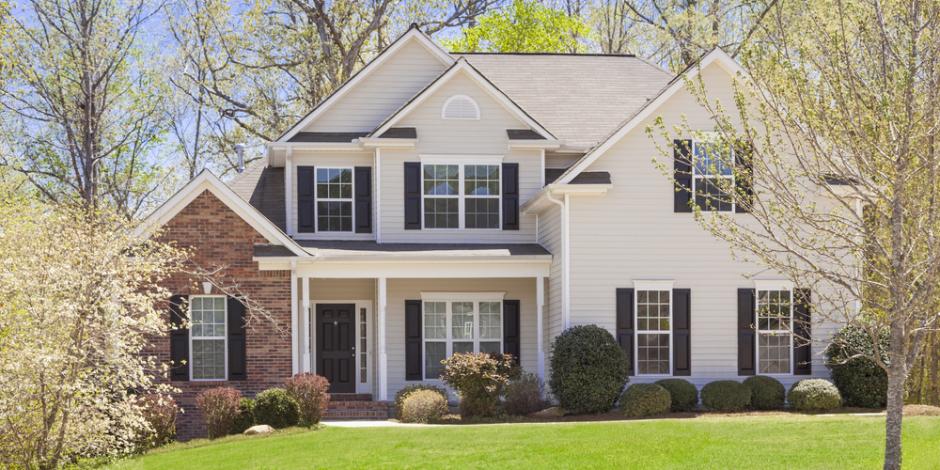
x,y
208,337
334,199
774,335
461,196
713,174
653,329
460,326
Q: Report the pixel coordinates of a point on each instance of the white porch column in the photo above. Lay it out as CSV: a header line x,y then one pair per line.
x,y
306,324
540,324
382,343
294,333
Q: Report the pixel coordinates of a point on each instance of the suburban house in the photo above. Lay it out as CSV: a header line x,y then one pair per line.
x,y
439,203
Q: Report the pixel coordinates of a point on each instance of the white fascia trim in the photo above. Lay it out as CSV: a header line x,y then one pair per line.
x,y
437,159
540,201
424,269
717,55
206,181
463,66
773,284
653,285
412,34
463,296
379,142
331,146
535,144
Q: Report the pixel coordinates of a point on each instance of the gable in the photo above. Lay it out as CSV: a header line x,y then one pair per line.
x,y
486,135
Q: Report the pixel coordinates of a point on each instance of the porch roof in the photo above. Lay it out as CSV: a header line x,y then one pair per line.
x,y
371,249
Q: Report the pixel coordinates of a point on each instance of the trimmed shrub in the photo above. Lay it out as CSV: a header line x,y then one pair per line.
x,y
767,393
861,382
726,395
403,393
682,394
160,412
422,406
479,379
645,400
524,395
246,416
312,394
589,369
219,408
814,395
276,408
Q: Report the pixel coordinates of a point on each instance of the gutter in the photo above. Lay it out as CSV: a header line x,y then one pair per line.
x,y
564,206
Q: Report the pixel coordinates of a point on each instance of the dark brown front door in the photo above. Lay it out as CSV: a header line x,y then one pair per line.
x,y
336,346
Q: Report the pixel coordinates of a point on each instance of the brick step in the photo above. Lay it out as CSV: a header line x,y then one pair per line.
x,y
351,396
357,409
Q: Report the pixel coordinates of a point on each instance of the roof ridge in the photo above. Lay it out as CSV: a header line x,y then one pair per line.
x,y
573,54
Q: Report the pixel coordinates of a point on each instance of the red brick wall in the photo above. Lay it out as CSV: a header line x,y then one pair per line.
x,y
219,238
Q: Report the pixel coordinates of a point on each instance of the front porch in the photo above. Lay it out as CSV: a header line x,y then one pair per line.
x,y
374,323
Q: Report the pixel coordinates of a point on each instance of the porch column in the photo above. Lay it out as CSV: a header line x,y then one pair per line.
x,y
382,343
306,324
540,324
294,333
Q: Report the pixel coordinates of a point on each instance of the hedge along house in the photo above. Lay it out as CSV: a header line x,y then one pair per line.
x,y
440,203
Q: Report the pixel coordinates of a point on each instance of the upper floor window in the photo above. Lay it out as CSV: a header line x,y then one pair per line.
x,y
461,196
208,337
712,174
460,107
334,199
774,336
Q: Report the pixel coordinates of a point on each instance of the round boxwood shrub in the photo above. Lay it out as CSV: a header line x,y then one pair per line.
x,y
726,395
645,400
683,395
422,406
589,369
861,382
767,393
404,392
814,395
276,408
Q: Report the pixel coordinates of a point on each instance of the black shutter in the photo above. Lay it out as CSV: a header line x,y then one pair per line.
x,y
510,196
413,359
237,354
682,172
412,196
306,199
746,336
363,199
511,344
625,324
681,331
179,339
802,342
743,177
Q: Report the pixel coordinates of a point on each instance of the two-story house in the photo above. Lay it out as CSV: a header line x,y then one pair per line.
x,y
440,203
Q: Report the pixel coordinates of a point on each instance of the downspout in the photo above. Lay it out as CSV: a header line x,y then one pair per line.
x,y
565,252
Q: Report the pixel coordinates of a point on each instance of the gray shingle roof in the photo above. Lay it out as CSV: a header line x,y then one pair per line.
x,y
585,177
263,187
327,136
581,99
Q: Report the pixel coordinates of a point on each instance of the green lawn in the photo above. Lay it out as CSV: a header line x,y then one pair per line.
x,y
788,441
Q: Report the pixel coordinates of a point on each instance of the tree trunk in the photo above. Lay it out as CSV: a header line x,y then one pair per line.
x,y
894,418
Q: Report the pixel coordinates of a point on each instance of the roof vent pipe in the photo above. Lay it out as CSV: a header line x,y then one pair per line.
x,y
240,152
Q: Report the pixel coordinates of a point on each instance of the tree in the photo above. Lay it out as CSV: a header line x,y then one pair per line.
x,y
840,111
81,106
78,303
524,26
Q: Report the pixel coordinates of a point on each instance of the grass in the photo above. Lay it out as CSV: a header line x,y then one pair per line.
x,y
793,441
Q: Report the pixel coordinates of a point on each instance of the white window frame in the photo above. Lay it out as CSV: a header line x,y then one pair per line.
x,y
771,286
447,103
449,299
213,338
650,286
461,162
705,138
351,200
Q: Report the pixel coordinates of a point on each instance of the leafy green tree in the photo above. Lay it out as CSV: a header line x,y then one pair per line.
x,y
524,26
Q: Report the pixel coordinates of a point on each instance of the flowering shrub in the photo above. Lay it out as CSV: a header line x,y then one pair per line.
x,y
219,408
160,412
311,393
479,378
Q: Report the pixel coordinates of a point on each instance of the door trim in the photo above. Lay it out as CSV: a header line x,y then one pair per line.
x,y
370,341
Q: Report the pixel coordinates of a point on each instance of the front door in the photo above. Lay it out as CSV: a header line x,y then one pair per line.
x,y
336,346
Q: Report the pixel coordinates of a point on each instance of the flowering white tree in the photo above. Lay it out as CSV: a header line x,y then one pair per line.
x,y
78,303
